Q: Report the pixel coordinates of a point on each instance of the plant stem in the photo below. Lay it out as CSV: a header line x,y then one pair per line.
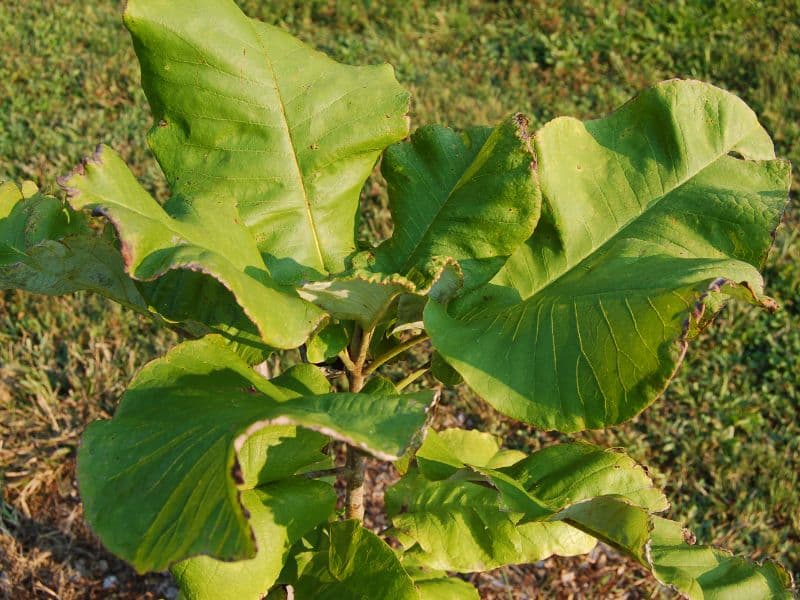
x,y
354,499
326,473
399,349
356,460
345,358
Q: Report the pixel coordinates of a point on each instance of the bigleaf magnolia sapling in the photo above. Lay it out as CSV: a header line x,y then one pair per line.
x,y
560,272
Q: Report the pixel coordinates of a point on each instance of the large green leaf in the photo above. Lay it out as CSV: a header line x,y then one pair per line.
x,y
47,248
352,563
668,550
559,500
436,585
446,514
280,514
649,216
472,197
277,452
455,525
281,508
198,235
155,478
705,572
450,519
564,474
612,519
248,113
461,204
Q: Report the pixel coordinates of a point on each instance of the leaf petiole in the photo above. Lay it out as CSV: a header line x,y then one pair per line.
x,y
411,378
397,350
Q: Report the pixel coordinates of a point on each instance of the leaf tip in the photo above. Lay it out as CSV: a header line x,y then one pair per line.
x,y
67,182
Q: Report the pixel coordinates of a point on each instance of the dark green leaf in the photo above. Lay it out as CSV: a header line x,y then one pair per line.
x,y
352,564
444,372
156,475
47,248
327,343
471,197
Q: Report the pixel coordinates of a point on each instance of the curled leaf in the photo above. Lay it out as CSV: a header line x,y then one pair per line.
x,y
648,225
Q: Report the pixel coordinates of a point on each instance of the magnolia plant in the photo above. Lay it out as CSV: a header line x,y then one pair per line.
x,y
560,272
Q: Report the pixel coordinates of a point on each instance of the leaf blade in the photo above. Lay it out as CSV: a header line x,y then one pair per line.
x,y
708,572
647,226
47,248
166,464
481,517
471,197
281,513
355,563
311,134
200,237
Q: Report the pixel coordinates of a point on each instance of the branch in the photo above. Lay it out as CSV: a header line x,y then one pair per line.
x,y
356,460
345,358
354,501
326,473
399,349
357,373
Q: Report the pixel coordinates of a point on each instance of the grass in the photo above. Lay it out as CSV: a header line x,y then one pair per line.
x,y
725,438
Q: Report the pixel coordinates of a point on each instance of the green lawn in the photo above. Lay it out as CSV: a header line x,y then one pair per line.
x,y
725,439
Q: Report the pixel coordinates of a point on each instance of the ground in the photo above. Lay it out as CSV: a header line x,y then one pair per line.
x,y
724,441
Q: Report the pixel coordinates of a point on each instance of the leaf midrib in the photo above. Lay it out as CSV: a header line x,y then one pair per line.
x,y
288,130
595,249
